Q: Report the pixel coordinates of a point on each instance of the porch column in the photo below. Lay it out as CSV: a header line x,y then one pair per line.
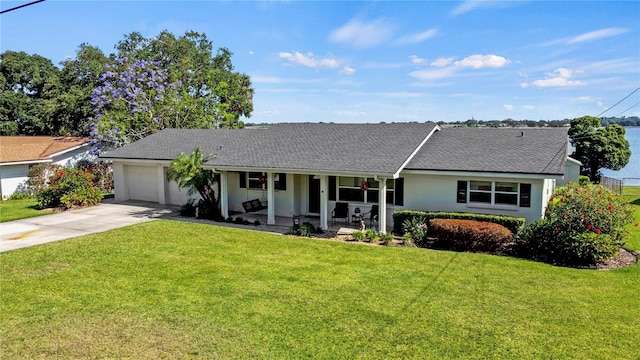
x,y
271,213
224,194
121,188
324,198
162,199
382,208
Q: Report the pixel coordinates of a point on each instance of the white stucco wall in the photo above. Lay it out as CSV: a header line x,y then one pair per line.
x,y
71,158
284,200
571,173
438,193
11,177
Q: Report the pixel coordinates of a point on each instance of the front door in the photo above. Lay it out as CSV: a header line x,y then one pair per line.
x,y
314,195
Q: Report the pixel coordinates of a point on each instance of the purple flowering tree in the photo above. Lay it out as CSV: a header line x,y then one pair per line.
x,y
135,100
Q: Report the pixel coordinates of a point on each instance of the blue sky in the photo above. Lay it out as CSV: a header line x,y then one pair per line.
x,y
374,61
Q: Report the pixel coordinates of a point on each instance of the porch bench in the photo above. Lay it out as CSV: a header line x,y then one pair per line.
x,y
253,205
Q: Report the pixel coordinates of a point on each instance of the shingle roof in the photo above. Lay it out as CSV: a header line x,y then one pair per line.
x,y
525,151
360,148
32,148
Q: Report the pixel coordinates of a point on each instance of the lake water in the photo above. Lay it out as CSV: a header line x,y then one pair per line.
x,y
632,170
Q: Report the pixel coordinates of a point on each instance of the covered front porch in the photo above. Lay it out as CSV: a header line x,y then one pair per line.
x,y
279,198
283,223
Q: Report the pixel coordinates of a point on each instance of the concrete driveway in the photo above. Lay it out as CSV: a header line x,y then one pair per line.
x,y
69,224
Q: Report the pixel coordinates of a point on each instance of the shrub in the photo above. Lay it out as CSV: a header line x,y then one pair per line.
x,y
70,187
514,224
470,235
82,196
21,196
102,172
584,180
207,210
386,238
371,235
307,229
357,235
188,209
39,176
582,225
416,227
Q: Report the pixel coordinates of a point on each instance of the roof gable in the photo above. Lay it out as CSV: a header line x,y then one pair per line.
x,y
34,148
525,151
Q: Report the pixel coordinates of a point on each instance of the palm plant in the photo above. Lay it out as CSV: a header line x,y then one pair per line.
x,y
187,172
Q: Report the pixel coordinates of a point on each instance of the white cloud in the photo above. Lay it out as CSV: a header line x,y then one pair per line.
x,y
471,5
417,38
309,60
433,74
582,100
250,52
483,61
467,6
442,62
528,107
347,70
415,59
508,107
362,34
561,77
446,67
597,34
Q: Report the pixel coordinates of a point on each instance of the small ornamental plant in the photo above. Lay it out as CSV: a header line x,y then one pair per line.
x,y
583,224
70,187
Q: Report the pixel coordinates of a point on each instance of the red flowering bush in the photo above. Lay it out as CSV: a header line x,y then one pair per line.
x,y
70,187
581,225
469,235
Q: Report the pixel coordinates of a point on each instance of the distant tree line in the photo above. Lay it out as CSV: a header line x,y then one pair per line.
x,y
623,121
146,85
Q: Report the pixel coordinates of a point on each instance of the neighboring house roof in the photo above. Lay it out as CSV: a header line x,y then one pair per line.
x,y
36,148
358,148
382,149
524,151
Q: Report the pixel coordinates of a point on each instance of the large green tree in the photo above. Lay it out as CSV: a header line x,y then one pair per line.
x,y
27,83
598,147
210,88
78,78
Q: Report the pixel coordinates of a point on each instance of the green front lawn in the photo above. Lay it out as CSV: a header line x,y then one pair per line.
x,y
20,209
168,289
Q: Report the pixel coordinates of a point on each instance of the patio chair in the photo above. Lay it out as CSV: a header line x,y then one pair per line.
x,y
373,216
341,211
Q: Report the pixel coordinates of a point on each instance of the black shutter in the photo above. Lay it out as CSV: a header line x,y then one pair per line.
x,y
525,195
462,192
332,188
399,192
243,179
282,177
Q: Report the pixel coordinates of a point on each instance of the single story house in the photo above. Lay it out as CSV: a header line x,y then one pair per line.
x,y
19,153
306,168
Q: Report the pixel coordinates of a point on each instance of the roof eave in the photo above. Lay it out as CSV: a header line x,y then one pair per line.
x,y
471,173
24,162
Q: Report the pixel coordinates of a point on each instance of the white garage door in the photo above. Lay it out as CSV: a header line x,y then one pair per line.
x,y
142,182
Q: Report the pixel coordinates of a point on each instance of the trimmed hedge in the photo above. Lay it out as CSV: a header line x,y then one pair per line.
x,y
514,224
469,235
